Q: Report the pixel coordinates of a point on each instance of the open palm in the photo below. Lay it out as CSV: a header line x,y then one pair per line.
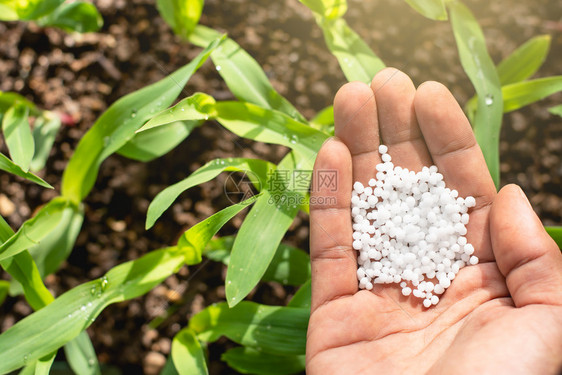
x,y
503,315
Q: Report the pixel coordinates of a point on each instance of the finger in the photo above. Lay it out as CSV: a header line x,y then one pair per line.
x,y
451,142
453,148
334,263
394,94
526,255
355,117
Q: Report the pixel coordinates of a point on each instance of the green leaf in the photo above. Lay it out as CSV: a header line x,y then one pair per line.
x,y
481,71
181,15
118,124
432,9
8,13
330,9
81,355
264,227
58,244
251,361
289,266
17,134
9,166
556,234
169,368
218,249
556,110
43,365
256,170
246,120
187,354
35,229
260,124
45,131
4,287
28,9
78,17
254,248
324,121
520,94
29,369
193,241
243,74
524,61
55,325
5,230
151,144
302,297
357,61
324,118
8,99
270,329
24,271
199,106
520,65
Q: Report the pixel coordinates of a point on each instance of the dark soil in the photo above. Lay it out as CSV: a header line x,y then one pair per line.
x,y
79,76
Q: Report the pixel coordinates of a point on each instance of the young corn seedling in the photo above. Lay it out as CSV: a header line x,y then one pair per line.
x,y
147,124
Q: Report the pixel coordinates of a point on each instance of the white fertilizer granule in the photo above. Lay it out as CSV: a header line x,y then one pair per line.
x,y
409,229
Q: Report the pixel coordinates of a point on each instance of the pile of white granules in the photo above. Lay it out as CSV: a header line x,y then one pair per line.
x,y
409,229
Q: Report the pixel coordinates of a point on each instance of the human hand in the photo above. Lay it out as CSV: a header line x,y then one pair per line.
x,y
503,315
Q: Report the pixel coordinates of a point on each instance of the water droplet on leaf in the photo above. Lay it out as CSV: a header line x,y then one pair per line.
x,y
218,68
489,100
104,283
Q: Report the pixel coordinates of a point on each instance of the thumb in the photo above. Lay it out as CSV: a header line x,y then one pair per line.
x,y
525,254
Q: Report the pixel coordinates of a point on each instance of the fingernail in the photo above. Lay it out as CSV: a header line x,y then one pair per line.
x,y
525,199
328,140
